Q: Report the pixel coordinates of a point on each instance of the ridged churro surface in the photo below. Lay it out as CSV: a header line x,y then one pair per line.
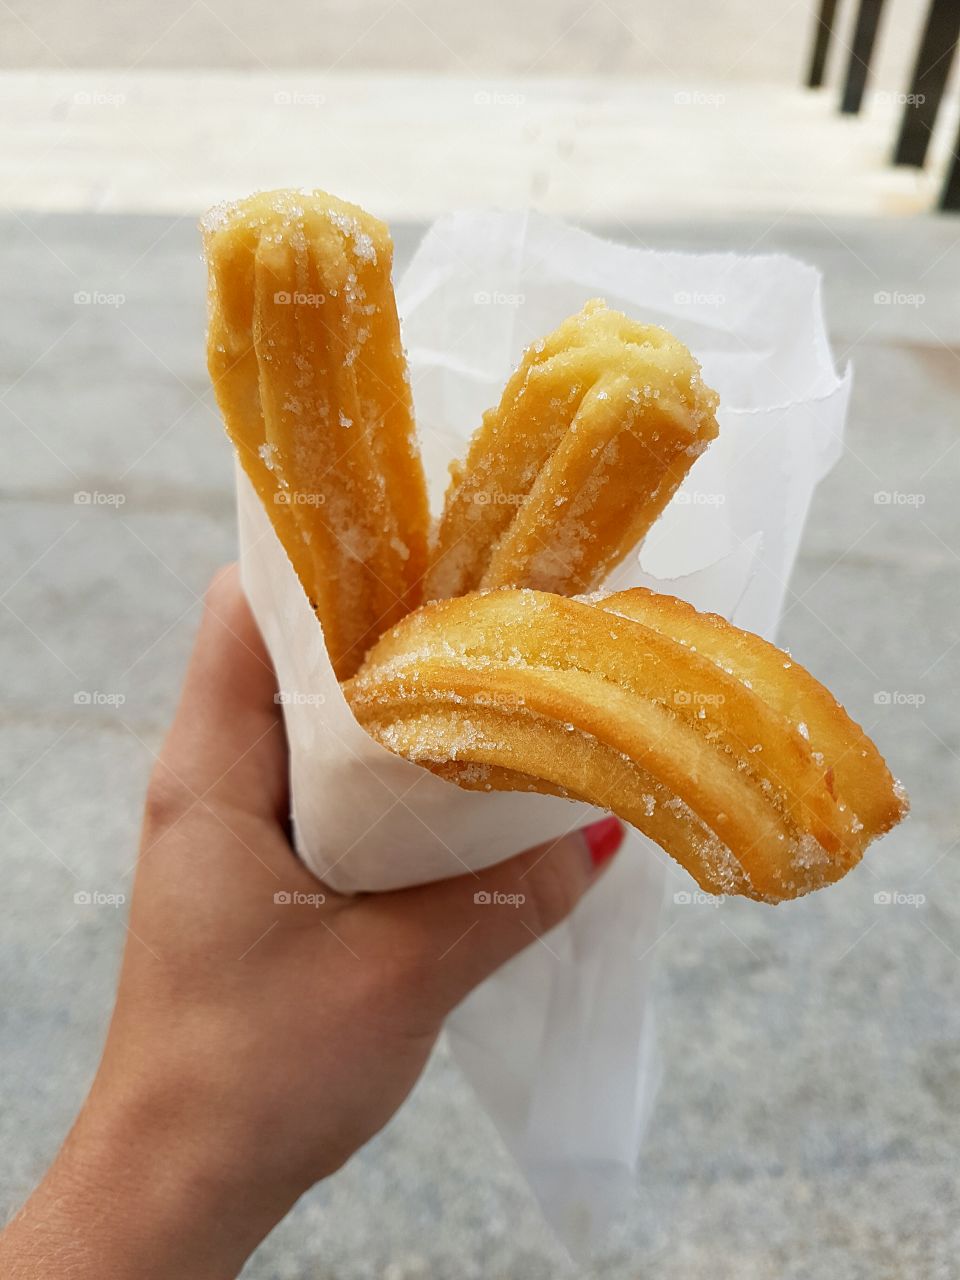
x,y
593,435
305,355
734,759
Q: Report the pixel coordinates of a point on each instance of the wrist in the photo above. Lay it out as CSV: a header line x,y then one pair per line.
x,y
133,1193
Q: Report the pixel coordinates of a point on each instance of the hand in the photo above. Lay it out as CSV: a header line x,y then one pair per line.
x,y
256,1043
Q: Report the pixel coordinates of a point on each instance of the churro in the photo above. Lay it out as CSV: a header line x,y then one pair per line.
x,y
700,751
305,355
594,433
860,775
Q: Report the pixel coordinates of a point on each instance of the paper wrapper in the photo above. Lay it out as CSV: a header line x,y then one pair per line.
x,y
559,1044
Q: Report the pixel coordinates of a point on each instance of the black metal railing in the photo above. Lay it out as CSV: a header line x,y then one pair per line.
x,y
924,96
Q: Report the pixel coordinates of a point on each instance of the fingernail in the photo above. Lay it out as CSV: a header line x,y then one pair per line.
x,y
603,839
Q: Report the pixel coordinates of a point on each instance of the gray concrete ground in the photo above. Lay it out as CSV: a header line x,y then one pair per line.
x,y
808,1125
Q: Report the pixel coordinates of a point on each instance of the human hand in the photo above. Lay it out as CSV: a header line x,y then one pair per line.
x,y
257,1043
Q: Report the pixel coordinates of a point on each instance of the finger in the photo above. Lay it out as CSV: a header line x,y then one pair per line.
x,y
463,929
227,740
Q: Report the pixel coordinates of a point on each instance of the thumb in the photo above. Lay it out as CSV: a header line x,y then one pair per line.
x,y
473,924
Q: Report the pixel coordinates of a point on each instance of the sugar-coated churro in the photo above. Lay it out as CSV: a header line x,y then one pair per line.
x,y
860,775
305,356
594,433
702,752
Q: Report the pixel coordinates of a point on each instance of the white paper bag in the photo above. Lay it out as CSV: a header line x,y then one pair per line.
x,y
559,1044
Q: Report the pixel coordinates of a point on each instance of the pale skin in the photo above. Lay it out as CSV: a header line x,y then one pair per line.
x,y
255,1045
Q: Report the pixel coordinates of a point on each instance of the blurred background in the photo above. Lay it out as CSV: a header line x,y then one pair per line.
x,y
807,1123
599,110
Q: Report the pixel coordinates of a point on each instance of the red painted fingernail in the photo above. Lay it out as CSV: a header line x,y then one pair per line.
x,y
603,839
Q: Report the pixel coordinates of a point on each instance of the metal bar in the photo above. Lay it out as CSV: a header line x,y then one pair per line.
x,y
858,67
950,196
821,42
938,45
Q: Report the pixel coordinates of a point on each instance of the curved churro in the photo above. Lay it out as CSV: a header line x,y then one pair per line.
x,y
860,775
520,689
305,356
593,434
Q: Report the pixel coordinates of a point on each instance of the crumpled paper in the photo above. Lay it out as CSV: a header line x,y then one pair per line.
x,y
559,1044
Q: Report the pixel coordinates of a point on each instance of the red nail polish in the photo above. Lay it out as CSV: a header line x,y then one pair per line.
x,y
603,839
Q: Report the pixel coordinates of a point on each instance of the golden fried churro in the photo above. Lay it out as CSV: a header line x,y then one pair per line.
x,y
860,776
305,356
593,434
520,689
